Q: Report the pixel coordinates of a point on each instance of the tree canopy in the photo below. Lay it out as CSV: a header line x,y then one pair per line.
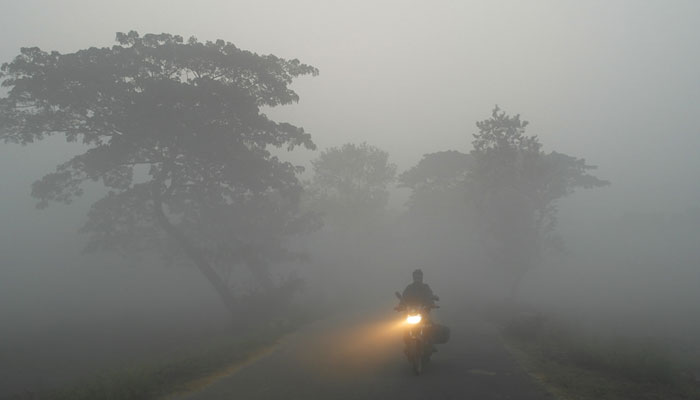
x,y
504,192
351,181
438,180
514,186
176,134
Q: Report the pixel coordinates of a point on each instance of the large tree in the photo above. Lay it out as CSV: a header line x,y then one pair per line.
x,y
515,186
350,183
176,134
437,182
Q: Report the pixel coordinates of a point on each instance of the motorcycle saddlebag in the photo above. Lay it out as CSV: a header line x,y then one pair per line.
x,y
440,334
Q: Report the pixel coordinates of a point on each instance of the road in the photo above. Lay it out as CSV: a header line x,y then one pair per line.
x,y
360,357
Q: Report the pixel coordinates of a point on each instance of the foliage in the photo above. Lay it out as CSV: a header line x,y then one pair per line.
x,y
438,180
351,181
176,134
581,366
185,371
514,187
505,190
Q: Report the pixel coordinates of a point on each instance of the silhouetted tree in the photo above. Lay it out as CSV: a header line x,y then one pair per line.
x,y
437,182
176,134
350,183
514,187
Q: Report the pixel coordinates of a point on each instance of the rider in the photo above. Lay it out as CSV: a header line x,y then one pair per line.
x,y
417,293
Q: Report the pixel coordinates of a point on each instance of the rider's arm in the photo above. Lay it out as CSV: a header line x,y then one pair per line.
x,y
430,297
404,297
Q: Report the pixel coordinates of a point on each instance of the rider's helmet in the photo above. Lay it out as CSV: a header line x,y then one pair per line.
x,y
418,276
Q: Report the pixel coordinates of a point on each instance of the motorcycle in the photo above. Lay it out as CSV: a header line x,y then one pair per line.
x,y
419,347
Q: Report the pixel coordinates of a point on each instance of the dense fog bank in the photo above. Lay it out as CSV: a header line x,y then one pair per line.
x,y
304,165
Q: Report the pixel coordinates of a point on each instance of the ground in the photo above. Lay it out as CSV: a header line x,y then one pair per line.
x,y
359,356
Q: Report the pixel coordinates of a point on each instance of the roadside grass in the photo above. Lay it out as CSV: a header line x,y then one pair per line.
x,y
187,370
585,367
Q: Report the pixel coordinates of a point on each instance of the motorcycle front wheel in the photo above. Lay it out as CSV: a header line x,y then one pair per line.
x,y
416,357
417,365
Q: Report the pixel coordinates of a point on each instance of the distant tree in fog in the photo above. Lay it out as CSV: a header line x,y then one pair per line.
x,y
514,187
350,183
176,134
437,182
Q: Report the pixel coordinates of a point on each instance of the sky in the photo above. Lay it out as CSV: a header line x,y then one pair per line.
x,y
615,82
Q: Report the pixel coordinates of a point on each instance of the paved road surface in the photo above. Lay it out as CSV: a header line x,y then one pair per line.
x,y
360,357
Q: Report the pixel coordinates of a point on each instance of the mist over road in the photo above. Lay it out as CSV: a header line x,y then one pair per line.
x,y
360,356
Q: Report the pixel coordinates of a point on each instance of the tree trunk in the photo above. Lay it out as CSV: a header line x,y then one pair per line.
x,y
194,254
261,272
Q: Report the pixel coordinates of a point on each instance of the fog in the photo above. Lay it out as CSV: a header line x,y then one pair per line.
x,y
614,82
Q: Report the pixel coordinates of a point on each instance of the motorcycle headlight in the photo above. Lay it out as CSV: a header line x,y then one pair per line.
x,y
413,319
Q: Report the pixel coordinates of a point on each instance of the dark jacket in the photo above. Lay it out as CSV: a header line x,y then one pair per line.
x,y
417,294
